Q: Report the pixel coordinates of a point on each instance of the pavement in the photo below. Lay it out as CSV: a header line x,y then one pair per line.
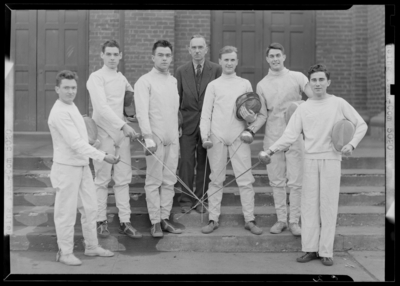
x,y
350,265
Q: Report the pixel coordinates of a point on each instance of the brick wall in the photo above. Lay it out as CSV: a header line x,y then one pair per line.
x,y
360,58
351,44
188,23
142,29
103,26
376,59
334,36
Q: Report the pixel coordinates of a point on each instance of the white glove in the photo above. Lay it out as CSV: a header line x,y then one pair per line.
x,y
150,145
247,115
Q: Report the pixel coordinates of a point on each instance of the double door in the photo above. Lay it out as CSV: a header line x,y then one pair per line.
x,y
44,42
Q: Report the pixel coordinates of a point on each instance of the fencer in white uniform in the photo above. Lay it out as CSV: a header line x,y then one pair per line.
x,y
107,88
322,163
279,88
157,105
70,173
219,123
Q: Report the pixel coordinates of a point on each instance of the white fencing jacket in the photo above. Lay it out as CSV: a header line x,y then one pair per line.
x,y
107,92
69,136
218,115
279,89
157,104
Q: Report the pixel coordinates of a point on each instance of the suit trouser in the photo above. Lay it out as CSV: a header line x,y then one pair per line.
x,y
193,155
159,186
74,190
120,173
286,169
241,161
319,205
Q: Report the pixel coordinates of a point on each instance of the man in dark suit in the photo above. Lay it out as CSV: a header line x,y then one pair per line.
x,y
193,78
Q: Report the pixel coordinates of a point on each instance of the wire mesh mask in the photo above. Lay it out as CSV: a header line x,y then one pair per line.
x,y
250,100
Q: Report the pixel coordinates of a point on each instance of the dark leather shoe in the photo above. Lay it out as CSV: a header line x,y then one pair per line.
x,y
327,261
308,257
167,226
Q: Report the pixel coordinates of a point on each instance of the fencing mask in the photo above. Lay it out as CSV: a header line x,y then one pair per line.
x,y
342,133
91,128
129,106
250,100
291,109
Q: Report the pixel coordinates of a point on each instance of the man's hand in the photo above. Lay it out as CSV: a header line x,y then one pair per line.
x,y
96,144
109,158
265,157
249,116
130,132
347,150
180,132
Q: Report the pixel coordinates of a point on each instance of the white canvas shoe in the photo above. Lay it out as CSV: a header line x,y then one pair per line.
x,y
99,251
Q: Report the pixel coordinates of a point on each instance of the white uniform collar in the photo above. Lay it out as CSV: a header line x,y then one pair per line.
x,y
274,73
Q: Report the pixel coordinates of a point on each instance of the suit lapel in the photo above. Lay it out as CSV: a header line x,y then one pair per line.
x,y
189,78
205,79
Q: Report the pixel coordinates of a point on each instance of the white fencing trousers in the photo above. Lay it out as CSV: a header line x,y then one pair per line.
x,y
319,205
159,186
241,161
74,190
121,174
286,169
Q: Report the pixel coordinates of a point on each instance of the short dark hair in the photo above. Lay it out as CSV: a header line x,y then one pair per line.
x,y
161,43
275,46
319,68
110,43
227,50
197,36
66,74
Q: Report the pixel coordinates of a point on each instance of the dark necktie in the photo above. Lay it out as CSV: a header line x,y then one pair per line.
x,y
198,76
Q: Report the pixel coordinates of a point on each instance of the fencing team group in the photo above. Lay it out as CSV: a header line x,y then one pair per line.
x,y
301,153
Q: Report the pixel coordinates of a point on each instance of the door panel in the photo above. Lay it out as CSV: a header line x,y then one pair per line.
x,y
252,31
61,45
242,30
43,43
296,32
23,54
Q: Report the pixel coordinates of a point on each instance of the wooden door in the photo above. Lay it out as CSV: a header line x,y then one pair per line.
x,y
252,31
295,30
241,29
61,45
43,43
23,54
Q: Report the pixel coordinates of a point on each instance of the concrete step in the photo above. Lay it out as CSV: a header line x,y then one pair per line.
x,y
349,196
223,239
139,163
350,177
230,216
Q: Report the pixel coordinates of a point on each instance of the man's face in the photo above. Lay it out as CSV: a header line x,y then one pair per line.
x,y
276,59
198,49
319,83
67,90
162,58
228,63
111,57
